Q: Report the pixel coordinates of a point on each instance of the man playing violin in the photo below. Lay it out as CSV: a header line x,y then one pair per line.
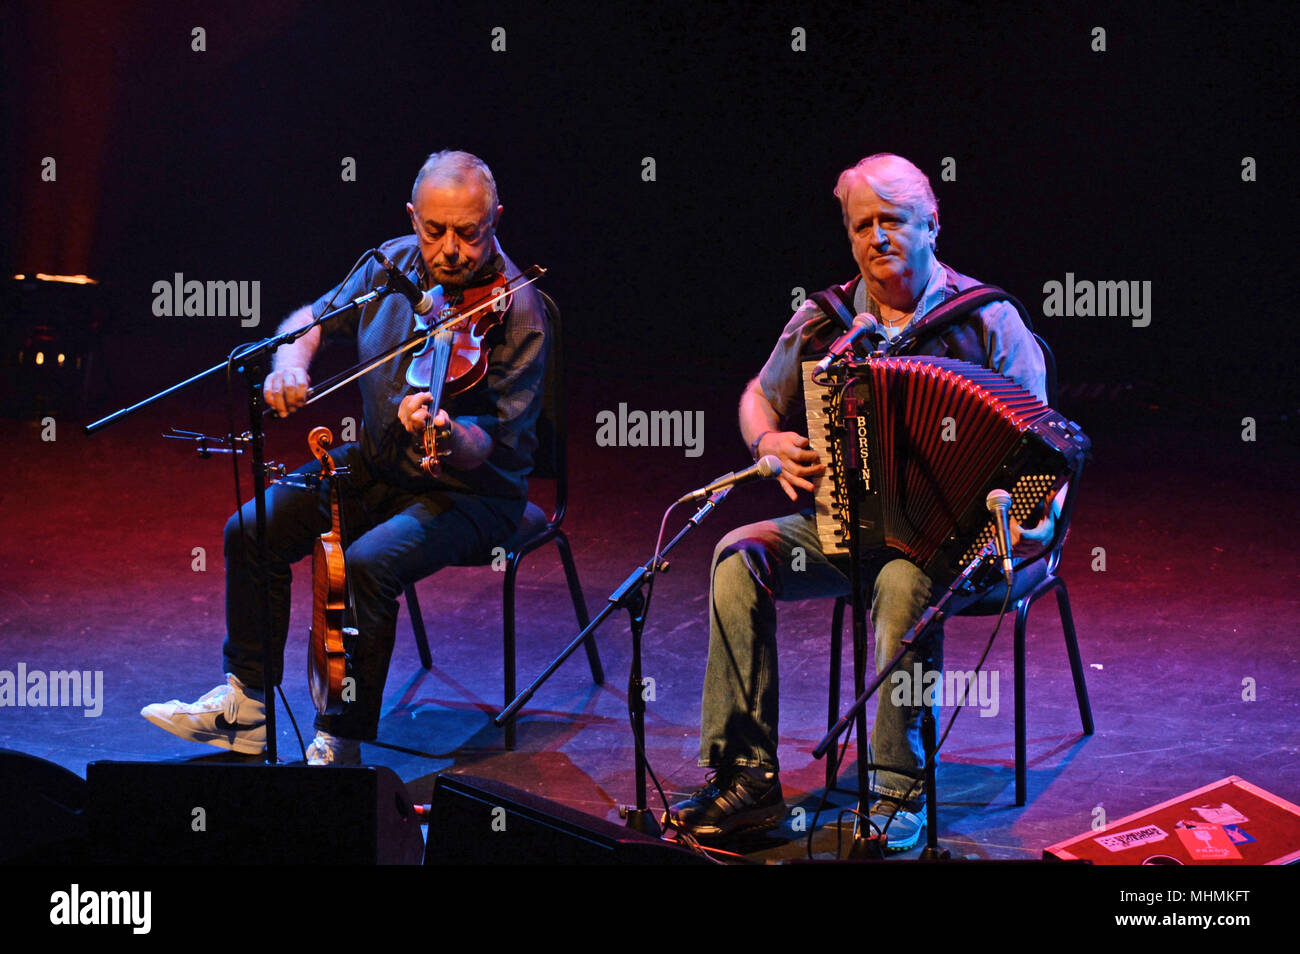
x,y
400,523
892,220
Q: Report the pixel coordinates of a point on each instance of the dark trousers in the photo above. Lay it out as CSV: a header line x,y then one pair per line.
x,y
392,537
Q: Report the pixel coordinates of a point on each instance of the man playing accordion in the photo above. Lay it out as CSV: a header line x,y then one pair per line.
x,y
892,220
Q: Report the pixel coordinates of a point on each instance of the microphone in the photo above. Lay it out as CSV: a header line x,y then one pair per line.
x,y
844,344
767,466
422,302
999,504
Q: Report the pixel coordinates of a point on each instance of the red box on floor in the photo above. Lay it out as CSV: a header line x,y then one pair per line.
x,y
1226,822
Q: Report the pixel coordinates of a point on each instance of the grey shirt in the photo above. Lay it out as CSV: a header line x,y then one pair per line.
x,y
1011,348
505,404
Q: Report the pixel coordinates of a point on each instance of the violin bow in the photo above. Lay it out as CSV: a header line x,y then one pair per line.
x,y
525,278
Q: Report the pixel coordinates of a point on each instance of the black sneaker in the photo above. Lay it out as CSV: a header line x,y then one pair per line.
x,y
732,801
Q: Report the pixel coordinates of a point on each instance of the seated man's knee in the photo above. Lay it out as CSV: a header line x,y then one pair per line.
x,y
238,539
287,539
899,597
369,572
902,580
741,555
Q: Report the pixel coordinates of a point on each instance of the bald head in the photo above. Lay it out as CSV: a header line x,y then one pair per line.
x,y
451,167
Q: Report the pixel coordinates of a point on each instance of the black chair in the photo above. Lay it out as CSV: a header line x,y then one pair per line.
x,y
550,461
1033,580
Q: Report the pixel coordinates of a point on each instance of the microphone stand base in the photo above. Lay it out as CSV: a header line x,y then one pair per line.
x,y
643,820
868,847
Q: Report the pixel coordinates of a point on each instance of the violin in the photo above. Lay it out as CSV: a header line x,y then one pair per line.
x,y
529,275
455,359
327,658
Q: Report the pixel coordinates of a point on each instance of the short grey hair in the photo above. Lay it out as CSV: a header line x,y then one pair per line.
x,y
894,179
452,165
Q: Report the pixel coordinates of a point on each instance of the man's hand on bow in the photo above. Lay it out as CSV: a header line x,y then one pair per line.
x,y
285,390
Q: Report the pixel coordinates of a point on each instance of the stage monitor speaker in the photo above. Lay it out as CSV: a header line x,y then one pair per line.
x,y
41,804
240,813
480,821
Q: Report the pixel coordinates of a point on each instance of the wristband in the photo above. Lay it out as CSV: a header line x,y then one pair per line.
x,y
753,448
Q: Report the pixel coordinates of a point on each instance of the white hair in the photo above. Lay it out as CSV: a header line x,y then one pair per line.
x,y
892,178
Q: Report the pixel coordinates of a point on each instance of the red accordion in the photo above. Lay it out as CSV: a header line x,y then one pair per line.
x,y
930,438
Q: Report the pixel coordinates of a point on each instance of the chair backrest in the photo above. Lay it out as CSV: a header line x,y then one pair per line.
x,y
1053,551
1049,361
551,458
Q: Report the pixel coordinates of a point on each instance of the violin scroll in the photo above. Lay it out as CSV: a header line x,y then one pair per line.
x,y
319,441
435,448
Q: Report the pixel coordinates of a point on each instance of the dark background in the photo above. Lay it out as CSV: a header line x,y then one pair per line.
x,y
1116,166
225,164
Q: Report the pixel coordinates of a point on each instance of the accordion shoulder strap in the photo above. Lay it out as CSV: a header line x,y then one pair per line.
x,y
837,302
952,311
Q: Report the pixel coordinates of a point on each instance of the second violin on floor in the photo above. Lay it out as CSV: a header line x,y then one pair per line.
x,y
327,655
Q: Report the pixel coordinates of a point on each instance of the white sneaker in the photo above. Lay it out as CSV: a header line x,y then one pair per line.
x,y
327,749
230,717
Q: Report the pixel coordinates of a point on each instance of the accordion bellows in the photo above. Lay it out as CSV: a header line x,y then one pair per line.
x,y
930,438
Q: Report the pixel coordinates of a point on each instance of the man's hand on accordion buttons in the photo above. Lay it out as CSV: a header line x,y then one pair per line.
x,y
798,460
1040,534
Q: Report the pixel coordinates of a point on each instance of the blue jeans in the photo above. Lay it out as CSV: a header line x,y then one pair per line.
x,y
393,537
753,567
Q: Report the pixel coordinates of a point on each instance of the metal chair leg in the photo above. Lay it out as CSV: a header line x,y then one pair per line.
x,y
1076,660
417,624
508,627
833,697
1022,617
579,606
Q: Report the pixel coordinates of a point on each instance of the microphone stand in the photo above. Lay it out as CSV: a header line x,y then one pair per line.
x,y
919,637
628,596
854,488
252,361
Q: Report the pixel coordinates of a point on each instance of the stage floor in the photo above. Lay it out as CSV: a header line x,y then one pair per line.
x,y
1189,634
